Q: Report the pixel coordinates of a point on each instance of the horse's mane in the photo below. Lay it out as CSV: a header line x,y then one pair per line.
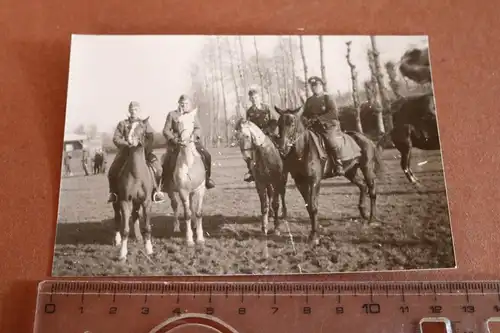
x,y
258,135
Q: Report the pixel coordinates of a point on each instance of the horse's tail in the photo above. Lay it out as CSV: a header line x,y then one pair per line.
x,y
371,152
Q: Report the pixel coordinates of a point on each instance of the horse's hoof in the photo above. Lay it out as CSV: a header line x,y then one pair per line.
x,y
313,241
190,243
122,259
200,242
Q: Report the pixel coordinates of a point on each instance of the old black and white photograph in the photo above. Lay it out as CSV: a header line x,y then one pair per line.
x,y
244,155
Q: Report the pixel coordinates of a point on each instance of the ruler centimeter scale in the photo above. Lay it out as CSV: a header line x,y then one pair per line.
x,y
267,307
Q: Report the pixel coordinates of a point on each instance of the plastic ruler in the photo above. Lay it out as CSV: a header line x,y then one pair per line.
x,y
267,307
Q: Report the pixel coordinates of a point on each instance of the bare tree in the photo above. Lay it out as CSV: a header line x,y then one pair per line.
x,y
293,75
373,86
386,103
393,80
322,62
242,67
223,91
304,64
355,94
235,82
258,66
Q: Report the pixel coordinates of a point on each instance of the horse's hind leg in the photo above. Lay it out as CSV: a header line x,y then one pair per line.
x,y
136,223
275,204
370,178
404,147
175,209
118,223
355,177
147,227
197,212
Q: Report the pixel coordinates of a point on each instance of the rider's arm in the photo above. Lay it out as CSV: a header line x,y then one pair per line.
x,y
197,128
167,129
119,137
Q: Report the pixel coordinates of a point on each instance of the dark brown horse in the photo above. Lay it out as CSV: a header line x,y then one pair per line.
x,y
303,161
414,125
415,65
134,190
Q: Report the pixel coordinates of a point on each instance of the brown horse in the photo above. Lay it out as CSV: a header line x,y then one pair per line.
x,y
267,170
134,190
414,125
302,159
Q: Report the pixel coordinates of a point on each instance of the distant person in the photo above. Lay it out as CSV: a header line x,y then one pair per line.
x,y
67,163
85,160
171,133
120,141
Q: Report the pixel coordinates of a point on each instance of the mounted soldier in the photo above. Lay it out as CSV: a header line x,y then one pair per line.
x,y
265,118
320,116
171,133
121,142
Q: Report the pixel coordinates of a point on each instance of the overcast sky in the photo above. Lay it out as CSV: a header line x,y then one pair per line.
x,y
107,72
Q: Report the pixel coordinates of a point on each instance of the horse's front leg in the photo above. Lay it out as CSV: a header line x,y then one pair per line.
x,y
187,217
146,209
125,212
354,176
282,192
264,206
314,188
136,223
118,223
197,207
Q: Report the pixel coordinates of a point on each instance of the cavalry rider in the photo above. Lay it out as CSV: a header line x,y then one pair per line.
x,y
121,142
319,113
171,133
265,118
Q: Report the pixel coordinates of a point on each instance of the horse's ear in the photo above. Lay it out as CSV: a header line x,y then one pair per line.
x,y
278,110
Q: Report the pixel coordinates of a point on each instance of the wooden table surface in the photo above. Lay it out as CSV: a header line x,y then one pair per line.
x,y
34,59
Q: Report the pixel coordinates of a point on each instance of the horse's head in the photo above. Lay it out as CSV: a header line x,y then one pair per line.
x,y
137,134
186,127
289,129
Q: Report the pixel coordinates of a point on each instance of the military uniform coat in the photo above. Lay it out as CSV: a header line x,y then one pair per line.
x,y
264,117
171,127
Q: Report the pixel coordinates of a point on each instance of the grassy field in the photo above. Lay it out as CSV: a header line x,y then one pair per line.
x,y
414,233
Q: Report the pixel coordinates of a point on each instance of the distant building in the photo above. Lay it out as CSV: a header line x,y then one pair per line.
x,y
74,142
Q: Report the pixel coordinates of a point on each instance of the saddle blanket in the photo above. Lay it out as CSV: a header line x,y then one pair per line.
x,y
349,149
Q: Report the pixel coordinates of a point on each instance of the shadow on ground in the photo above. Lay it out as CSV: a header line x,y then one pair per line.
x,y
102,232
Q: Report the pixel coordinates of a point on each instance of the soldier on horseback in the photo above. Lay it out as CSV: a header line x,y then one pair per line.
x,y
265,118
171,133
121,142
320,115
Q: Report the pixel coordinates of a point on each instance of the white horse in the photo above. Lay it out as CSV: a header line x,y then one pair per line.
x,y
188,180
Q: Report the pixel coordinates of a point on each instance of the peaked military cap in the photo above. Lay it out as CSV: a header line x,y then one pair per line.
x,y
252,92
315,80
183,98
134,104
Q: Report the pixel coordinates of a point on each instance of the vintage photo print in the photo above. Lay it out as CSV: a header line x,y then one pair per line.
x,y
236,155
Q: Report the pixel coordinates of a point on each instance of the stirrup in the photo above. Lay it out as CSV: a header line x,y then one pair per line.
x,y
158,197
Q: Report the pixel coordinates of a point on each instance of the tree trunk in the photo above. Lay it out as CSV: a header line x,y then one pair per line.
x,y
386,103
304,64
236,90
258,66
373,85
322,62
393,79
223,91
355,94
215,99
242,69
293,75
284,73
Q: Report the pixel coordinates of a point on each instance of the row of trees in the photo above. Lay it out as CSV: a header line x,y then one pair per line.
x,y
220,82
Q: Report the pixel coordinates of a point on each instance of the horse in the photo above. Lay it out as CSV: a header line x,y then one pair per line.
x,y
188,180
134,189
414,125
98,163
415,65
301,153
267,170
